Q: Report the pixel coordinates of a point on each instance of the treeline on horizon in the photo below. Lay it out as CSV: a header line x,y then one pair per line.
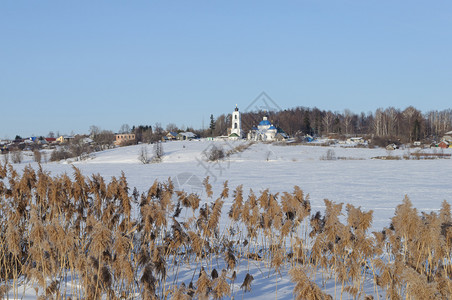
x,y
390,124
386,125
406,125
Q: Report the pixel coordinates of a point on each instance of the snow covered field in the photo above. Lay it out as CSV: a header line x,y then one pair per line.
x,y
356,178
373,184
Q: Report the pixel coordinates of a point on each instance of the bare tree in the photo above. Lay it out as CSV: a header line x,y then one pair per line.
x,y
158,132
104,140
215,153
158,152
327,121
379,121
125,128
438,122
221,125
171,127
347,120
80,148
143,157
446,120
412,123
94,130
37,156
16,156
392,120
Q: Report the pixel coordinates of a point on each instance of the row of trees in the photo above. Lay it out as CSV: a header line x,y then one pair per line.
x,y
406,125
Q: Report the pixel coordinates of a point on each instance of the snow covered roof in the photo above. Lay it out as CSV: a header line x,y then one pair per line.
x,y
188,134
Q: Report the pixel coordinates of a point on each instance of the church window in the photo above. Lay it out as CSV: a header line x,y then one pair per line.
x,y
235,125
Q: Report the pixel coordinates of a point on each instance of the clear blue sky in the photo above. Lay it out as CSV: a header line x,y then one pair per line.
x,y
66,65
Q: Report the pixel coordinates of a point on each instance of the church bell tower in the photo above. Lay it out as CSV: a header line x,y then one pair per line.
x,y
236,123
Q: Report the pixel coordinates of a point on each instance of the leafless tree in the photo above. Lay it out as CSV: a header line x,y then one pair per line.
x,y
143,157
412,122
94,130
327,121
37,156
171,127
379,122
16,156
347,120
215,153
125,128
80,148
158,151
439,122
104,139
157,132
392,120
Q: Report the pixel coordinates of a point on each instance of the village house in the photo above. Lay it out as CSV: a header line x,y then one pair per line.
x,y
170,136
50,140
183,136
64,139
121,138
443,145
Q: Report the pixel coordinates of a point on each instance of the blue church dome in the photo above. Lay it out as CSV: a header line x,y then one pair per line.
x,y
272,127
264,122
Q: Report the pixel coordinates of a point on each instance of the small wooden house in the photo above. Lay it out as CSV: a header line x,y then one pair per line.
x,y
171,136
443,145
186,136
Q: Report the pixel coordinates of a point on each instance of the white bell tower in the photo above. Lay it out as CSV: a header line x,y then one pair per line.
x,y
236,123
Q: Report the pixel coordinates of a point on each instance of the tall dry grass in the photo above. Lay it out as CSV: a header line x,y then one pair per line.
x,y
90,239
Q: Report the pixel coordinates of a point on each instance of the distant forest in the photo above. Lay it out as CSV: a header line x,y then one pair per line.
x,y
405,126
390,125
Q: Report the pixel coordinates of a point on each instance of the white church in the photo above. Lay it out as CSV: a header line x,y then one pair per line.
x,y
265,131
